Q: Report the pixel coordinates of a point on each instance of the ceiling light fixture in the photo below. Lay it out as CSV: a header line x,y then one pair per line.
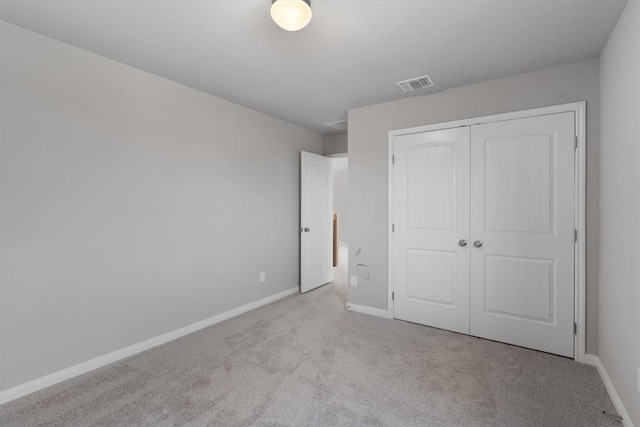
x,y
291,15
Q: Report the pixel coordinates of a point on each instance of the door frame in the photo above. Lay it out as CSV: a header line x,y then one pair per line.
x,y
579,109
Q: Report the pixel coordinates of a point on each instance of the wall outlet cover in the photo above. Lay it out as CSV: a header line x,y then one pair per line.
x,y
263,276
354,280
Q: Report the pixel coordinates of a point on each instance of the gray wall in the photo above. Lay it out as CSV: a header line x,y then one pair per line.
x,y
340,167
368,148
130,205
619,345
335,143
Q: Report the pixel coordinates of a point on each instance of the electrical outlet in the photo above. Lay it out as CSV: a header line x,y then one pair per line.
x,y
354,280
263,276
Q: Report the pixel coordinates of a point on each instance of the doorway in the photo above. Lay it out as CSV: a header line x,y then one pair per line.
x,y
340,168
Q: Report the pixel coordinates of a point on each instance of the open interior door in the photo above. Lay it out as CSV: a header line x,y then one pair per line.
x,y
316,226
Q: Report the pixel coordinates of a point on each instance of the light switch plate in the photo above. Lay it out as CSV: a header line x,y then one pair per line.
x,y
263,276
354,280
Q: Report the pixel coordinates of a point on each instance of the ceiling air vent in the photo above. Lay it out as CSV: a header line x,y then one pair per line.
x,y
339,125
415,83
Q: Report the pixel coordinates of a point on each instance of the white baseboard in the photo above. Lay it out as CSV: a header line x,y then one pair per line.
x,y
593,360
368,310
84,367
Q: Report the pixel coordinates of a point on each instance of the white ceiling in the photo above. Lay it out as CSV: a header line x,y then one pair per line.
x,y
350,55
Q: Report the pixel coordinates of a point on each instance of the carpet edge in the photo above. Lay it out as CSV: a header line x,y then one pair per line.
x,y
43,382
593,360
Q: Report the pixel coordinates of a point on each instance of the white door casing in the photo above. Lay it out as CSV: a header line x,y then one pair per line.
x,y
431,222
316,228
523,213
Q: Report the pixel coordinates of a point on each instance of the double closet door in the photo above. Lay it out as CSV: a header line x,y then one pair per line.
x,y
484,230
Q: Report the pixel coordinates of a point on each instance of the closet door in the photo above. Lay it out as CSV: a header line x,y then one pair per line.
x,y
431,216
522,232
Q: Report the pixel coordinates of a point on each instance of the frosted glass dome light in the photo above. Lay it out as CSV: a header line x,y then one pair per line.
x,y
291,15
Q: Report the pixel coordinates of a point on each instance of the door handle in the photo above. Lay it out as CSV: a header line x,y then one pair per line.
x,y
307,229
477,243
462,243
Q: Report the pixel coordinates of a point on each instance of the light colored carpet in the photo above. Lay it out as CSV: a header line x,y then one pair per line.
x,y
305,360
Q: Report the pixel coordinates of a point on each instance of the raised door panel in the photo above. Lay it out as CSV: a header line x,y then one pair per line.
x,y
431,276
430,180
521,288
317,243
519,184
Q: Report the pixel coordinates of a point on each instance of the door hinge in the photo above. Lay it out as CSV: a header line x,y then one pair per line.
x,y
575,328
393,228
575,141
575,235
393,296
393,160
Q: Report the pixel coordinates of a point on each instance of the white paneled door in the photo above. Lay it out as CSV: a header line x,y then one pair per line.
x,y
431,222
523,220
316,228
484,220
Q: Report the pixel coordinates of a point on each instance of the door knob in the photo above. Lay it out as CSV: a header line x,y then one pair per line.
x,y
462,243
477,243
307,229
